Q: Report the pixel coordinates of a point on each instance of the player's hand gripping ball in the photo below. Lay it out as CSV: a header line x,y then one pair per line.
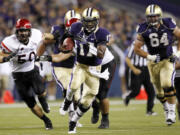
x,y
67,45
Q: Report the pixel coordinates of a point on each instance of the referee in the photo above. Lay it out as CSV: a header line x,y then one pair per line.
x,y
139,75
177,83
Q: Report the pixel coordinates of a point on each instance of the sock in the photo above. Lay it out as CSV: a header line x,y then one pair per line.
x,y
79,113
44,118
105,116
171,106
165,106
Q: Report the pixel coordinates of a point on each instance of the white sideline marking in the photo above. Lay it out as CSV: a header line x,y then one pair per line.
x,y
23,105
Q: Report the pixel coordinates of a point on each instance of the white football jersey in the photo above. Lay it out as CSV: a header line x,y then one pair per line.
x,y
108,56
24,60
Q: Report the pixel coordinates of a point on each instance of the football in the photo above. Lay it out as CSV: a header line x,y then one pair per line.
x,y
67,45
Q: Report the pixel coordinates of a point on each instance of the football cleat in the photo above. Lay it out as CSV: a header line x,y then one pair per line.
x,y
126,101
48,124
44,104
151,113
95,116
104,124
64,107
72,127
79,124
171,117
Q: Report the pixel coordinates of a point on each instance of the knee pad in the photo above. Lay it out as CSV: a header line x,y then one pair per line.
x,y
83,108
161,98
87,100
169,89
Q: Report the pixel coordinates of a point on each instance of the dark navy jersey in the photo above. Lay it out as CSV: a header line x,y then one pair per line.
x,y
100,36
69,63
158,41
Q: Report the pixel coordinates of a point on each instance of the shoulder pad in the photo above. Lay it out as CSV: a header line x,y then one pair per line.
x,y
75,28
36,35
57,29
169,23
142,27
102,35
9,44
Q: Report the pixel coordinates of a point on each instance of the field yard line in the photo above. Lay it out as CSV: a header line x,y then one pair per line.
x,y
22,105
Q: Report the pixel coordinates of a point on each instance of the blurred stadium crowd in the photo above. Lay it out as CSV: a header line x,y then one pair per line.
x,y
45,13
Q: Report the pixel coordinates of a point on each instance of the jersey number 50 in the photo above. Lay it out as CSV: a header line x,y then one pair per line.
x,y
155,41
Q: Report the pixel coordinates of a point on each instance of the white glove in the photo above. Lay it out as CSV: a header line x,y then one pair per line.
x,y
177,54
93,50
103,75
151,57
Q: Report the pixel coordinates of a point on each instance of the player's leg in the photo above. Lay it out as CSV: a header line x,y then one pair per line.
x,y
167,74
77,78
38,87
103,93
63,76
23,87
88,95
150,92
154,72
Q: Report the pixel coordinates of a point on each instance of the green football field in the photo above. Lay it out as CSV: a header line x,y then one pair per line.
x,y
17,119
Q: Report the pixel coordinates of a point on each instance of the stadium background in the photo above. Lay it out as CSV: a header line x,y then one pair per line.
x,y
120,17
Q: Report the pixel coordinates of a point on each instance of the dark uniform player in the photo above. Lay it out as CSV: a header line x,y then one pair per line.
x,y
26,75
61,70
91,45
157,33
101,103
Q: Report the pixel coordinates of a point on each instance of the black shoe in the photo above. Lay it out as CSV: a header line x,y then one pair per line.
x,y
95,116
48,124
104,124
126,101
64,107
72,127
44,104
151,113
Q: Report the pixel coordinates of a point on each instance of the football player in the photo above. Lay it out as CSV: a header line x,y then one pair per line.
x,y
22,45
157,33
90,52
61,70
101,102
91,42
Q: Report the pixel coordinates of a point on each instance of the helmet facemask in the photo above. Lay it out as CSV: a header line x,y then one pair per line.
x,y
23,30
90,19
23,35
153,19
153,14
90,25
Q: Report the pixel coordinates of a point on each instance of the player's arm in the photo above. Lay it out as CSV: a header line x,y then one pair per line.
x,y
139,42
48,39
60,57
55,57
101,48
5,57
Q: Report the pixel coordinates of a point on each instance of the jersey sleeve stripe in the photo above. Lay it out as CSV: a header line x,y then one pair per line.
x,y
5,47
